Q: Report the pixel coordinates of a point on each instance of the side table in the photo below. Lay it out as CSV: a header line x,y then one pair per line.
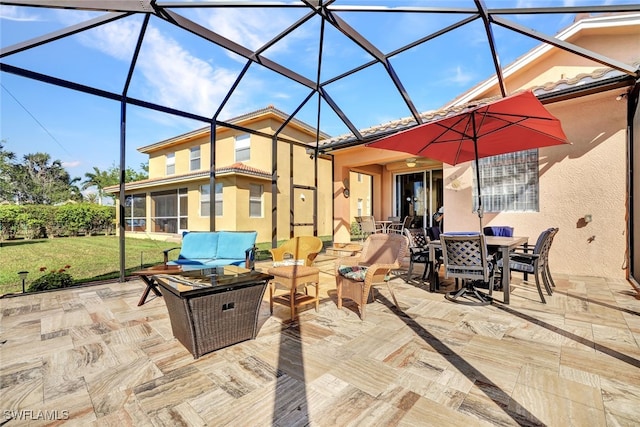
x,y
291,278
146,274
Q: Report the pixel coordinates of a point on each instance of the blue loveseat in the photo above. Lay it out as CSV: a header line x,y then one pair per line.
x,y
215,248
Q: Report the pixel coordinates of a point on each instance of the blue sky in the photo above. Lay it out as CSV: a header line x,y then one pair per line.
x,y
179,70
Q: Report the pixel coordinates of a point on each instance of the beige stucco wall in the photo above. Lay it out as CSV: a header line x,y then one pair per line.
x,y
585,178
236,186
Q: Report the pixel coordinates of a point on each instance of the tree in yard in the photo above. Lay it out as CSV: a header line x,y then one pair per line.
x,y
99,179
7,164
39,182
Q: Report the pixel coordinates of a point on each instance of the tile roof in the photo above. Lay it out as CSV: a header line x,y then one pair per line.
x,y
239,120
234,169
347,140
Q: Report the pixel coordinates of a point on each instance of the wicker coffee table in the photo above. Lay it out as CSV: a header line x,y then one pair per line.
x,y
213,308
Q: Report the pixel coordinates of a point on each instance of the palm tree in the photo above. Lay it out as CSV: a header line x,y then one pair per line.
x,y
97,178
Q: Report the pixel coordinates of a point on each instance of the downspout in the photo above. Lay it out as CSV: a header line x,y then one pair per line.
x,y
633,188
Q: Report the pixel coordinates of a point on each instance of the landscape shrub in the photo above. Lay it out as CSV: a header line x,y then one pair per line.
x,y
40,221
53,279
9,221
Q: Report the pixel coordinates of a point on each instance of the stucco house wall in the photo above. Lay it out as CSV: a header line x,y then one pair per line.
x,y
585,178
237,177
582,187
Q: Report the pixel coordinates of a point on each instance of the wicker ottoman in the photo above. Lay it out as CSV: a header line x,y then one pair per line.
x,y
292,278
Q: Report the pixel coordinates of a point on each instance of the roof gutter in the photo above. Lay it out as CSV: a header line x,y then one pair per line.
x,y
617,82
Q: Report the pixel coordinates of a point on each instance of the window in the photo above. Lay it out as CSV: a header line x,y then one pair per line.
x,y
243,148
169,211
205,199
255,200
135,212
219,199
194,157
171,163
509,182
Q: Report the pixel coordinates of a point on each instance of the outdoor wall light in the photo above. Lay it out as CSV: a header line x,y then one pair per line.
x,y
23,276
302,197
411,162
621,96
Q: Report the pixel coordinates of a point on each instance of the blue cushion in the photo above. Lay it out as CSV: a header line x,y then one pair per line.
x,y
233,244
205,263
197,245
498,230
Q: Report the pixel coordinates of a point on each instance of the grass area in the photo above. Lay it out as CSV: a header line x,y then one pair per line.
x,y
91,258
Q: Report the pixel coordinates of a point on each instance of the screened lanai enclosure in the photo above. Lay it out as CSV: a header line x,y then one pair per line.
x,y
142,71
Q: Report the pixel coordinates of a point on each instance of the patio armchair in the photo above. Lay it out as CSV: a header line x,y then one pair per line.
x,y
356,275
418,251
301,250
535,260
465,257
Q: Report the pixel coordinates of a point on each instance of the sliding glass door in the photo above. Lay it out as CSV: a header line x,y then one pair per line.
x,y
418,194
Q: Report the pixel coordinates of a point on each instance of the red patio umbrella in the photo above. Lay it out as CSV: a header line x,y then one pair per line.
x,y
514,123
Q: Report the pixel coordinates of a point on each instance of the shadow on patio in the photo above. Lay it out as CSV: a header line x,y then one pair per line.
x,y
90,354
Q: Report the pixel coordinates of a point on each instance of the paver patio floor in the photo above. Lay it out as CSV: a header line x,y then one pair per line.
x,y
91,356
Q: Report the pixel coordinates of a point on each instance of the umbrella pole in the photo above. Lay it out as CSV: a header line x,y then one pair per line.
x,y
475,148
480,210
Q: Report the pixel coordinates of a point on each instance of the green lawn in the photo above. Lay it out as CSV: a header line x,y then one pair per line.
x,y
91,258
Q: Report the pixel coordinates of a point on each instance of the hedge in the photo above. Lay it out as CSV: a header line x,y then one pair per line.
x,y
40,221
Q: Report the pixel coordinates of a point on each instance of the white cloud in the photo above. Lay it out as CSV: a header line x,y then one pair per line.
x,y
73,164
173,76
459,77
14,13
180,79
253,28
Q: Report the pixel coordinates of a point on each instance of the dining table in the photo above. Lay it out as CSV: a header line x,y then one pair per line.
x,y
502,244
385,225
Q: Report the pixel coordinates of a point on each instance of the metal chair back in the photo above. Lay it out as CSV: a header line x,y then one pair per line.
x,y
465,256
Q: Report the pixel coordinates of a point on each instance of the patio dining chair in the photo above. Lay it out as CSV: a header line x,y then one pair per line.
x,y
399,227
465,258
535,261
418,251
368,225
356,275
498,230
